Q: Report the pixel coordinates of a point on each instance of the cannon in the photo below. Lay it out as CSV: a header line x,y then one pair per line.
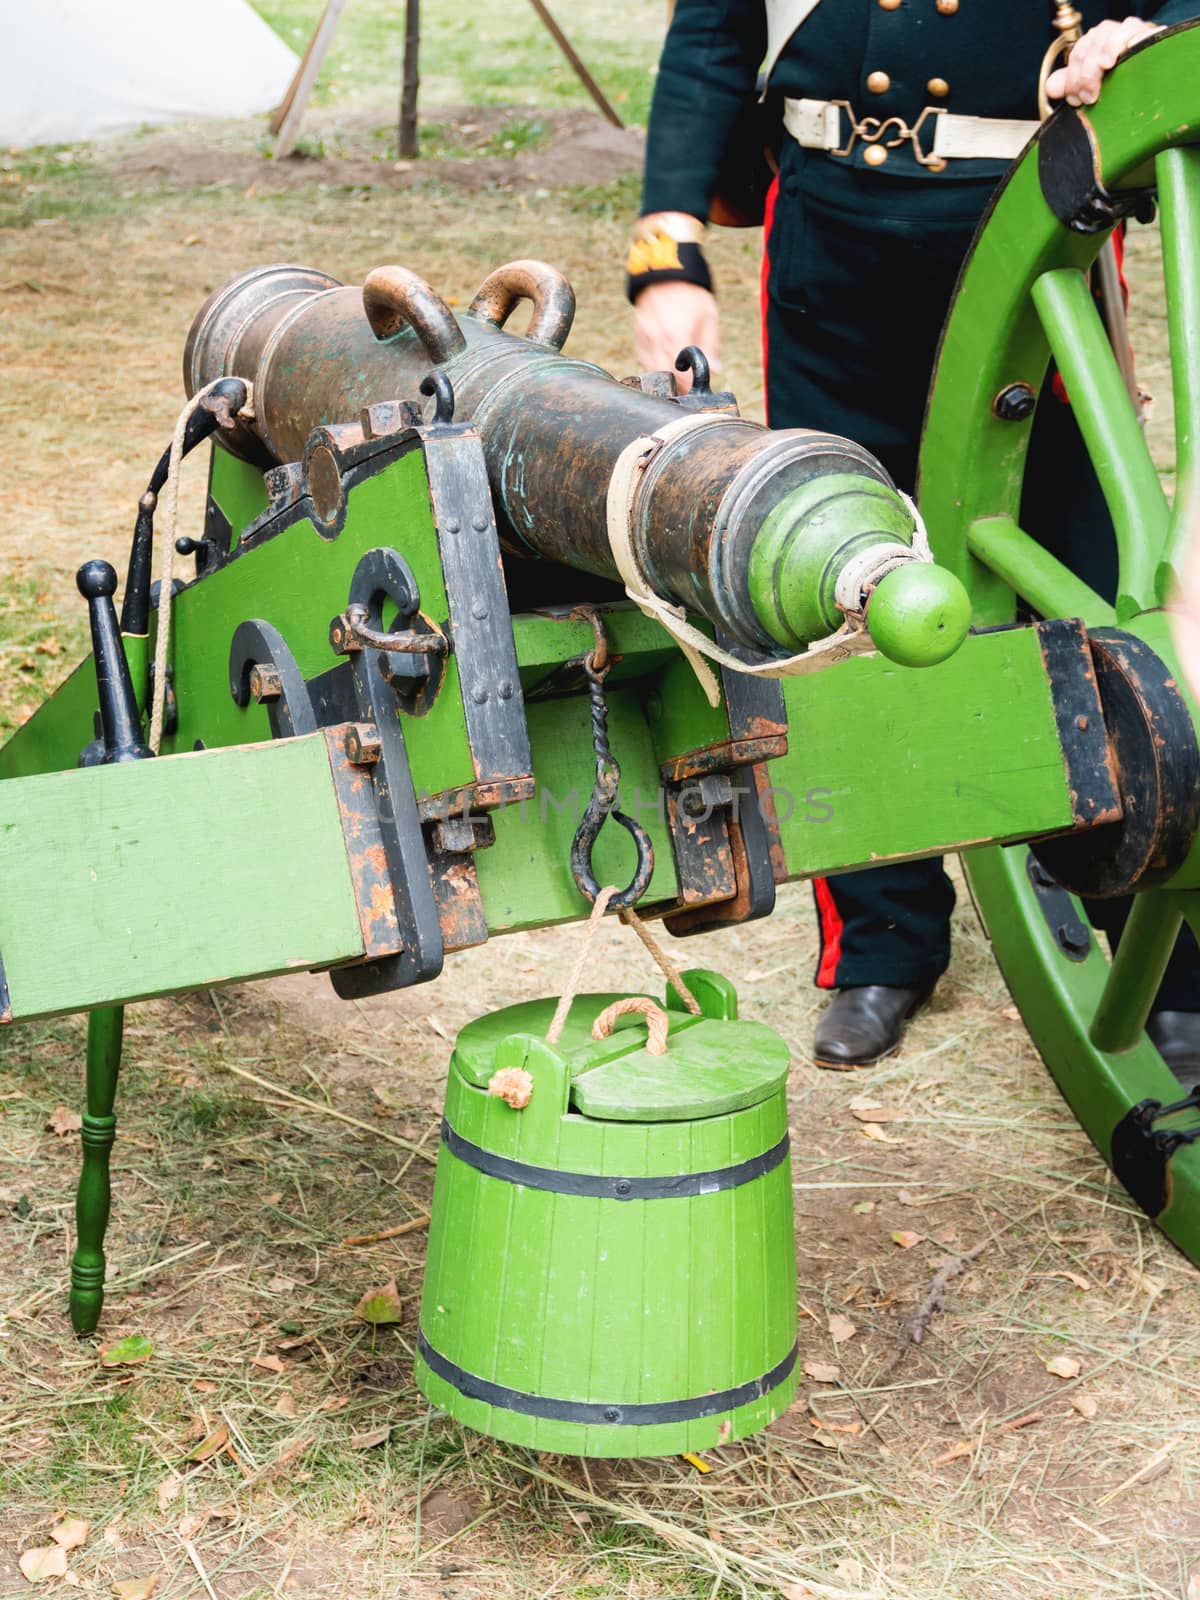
x,y
450,578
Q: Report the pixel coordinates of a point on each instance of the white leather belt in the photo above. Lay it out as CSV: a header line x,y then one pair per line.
x,y
818,125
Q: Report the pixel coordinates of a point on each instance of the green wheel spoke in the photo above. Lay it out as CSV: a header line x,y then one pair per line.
x,y
1178,174
1110,430
1036,575
1136,972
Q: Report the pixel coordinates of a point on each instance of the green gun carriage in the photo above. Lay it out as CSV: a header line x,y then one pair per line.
x,y
405,652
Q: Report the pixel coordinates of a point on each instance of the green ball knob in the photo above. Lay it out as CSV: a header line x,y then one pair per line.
x,y
918,615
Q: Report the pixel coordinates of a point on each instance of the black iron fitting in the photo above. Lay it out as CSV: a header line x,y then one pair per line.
x,y
605,800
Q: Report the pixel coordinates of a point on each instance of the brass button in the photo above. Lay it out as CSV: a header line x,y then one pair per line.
x,y
890,5
938,88
947,8
937,165
875,155
879,83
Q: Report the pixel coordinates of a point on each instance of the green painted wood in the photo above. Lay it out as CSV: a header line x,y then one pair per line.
x,y
601,1300
1116,444
1037,576
57,731
237,487
1177,173
525,877
1135,972
972,467
710,1068
114,892
297,582
93,1197
893,757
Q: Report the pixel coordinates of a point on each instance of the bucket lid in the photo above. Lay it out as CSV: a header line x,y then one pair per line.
x,y
712,1066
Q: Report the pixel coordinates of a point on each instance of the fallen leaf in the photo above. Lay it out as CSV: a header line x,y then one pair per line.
x,y
47,1561
946,1235
849,1571
1077,1278
189,1527
70,1533
907,1198
1010,1013
136,1588
1064,1367
863,1208
382,1307
49,646
281,1285
906,1239
168,1490
113,1534
62,1120
876,1113
796,1591
267,1363
841,1328
335,1402
822,1371
204,1386
1193,1588
285,1406
1086,1405
216,1440
126,1352
871,1130
367,1441
273,1198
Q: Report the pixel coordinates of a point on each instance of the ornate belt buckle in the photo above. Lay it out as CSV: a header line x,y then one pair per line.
x,y
889,133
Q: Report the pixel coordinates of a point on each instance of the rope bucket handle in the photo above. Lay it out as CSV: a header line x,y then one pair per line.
x,y
657,1021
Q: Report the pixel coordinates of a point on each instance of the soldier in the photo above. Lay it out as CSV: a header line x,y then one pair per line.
x,y
864,236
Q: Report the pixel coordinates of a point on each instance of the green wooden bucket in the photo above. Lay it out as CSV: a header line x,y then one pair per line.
x,y
612,1268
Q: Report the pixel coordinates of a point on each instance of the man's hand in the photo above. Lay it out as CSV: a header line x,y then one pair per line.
x,y
1078,83
669,315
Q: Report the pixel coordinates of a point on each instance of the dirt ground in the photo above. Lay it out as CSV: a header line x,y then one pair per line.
x,y
974,1466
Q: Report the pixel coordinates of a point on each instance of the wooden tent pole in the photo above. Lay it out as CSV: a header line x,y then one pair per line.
x,y
408,141
581,72
301,86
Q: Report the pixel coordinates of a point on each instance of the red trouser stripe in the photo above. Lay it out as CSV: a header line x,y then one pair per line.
x,y
768,223
831,935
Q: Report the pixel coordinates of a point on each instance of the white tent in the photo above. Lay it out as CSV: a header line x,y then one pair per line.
x,y
72,69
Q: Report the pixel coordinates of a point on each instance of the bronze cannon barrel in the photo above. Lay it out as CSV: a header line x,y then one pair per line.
x,y
759,531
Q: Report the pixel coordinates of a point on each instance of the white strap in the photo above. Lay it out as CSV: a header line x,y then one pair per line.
x,y
850,639
817,125
784,17
981,138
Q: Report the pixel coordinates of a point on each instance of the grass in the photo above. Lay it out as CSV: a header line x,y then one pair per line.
x,y
500,56
232,1199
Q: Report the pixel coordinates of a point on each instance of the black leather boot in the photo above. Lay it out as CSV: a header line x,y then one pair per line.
x,y
862,1025
1176,1035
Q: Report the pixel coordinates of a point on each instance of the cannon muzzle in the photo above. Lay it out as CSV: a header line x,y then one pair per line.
x,y
772,535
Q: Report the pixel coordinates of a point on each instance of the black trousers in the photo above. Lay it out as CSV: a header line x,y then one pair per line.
x,y
858,275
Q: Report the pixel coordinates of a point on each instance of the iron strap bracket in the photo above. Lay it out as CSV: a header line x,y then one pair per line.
x,y
1142,1151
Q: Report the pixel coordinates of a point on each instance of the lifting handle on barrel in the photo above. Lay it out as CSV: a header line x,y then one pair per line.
x,y
395,298
657,1021
552,296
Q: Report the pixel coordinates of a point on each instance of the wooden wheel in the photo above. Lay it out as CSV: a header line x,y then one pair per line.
x,y
1024,297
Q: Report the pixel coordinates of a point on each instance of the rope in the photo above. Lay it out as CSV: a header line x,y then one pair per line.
x,y
575,976
657,1021
666,966
167,559
850,639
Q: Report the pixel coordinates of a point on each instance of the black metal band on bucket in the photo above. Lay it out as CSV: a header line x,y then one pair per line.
x,y
592,1186
592,1412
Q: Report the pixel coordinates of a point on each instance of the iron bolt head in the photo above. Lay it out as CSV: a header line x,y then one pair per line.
x,y
1015,403
265,682
362,744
